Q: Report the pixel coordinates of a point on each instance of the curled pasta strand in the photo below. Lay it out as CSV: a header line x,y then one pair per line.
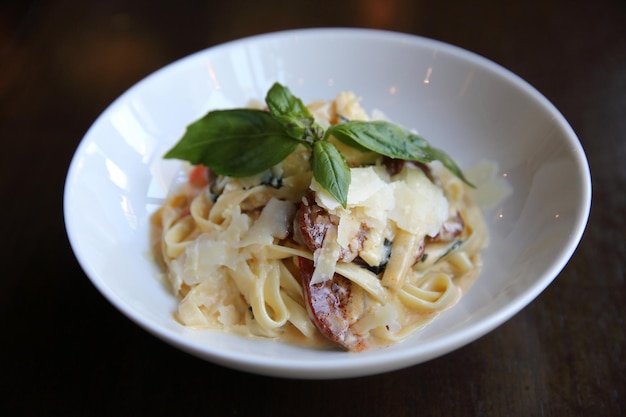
x,y
475,234
360,276
200,208
177,237
363,278
231,199
396,335
403,253
461,261
289,283
299,317
267,304
275,251
433,292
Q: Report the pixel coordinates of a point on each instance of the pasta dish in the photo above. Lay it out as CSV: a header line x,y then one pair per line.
x,y
276,255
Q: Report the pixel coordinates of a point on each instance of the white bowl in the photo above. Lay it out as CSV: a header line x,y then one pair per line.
x,y
461,102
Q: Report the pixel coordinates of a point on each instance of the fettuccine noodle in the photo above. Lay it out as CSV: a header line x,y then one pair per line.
x,y
231,247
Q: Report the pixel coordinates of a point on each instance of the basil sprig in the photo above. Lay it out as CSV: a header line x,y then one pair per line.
x,y
393,141
291,112
245,142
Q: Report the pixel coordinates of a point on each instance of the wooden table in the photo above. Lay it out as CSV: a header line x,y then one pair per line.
x,y
66,351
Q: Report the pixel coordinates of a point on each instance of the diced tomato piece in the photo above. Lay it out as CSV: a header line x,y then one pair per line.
x,y
199,176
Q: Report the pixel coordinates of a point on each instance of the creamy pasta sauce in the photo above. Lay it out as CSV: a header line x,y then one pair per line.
x,y
275,256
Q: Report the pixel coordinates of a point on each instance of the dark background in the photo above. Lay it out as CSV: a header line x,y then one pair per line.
x,y
64,350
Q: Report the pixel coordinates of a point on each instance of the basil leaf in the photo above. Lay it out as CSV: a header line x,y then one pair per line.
x,y
381,137
331,171
393,141
236,143
291,112
448,162
281,102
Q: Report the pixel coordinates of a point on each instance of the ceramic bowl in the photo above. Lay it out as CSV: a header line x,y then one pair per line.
x,y
461,102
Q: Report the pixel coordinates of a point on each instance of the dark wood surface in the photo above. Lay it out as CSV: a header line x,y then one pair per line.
x,y
64,350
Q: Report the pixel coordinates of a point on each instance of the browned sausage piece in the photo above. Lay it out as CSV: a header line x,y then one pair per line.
x,y
333,305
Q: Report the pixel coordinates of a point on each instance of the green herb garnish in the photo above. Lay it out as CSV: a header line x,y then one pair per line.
x,y
245,142
455,245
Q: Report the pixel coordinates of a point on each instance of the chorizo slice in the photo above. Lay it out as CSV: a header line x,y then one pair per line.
x,y
334,306
312,224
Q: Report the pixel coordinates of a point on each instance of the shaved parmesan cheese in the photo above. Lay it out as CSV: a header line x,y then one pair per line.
x,y
421,207
374,251
365,184
491,188
349,226
325,258
273,222
323,198
379,205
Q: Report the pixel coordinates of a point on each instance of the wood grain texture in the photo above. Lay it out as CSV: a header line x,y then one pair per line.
x,y
66,351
